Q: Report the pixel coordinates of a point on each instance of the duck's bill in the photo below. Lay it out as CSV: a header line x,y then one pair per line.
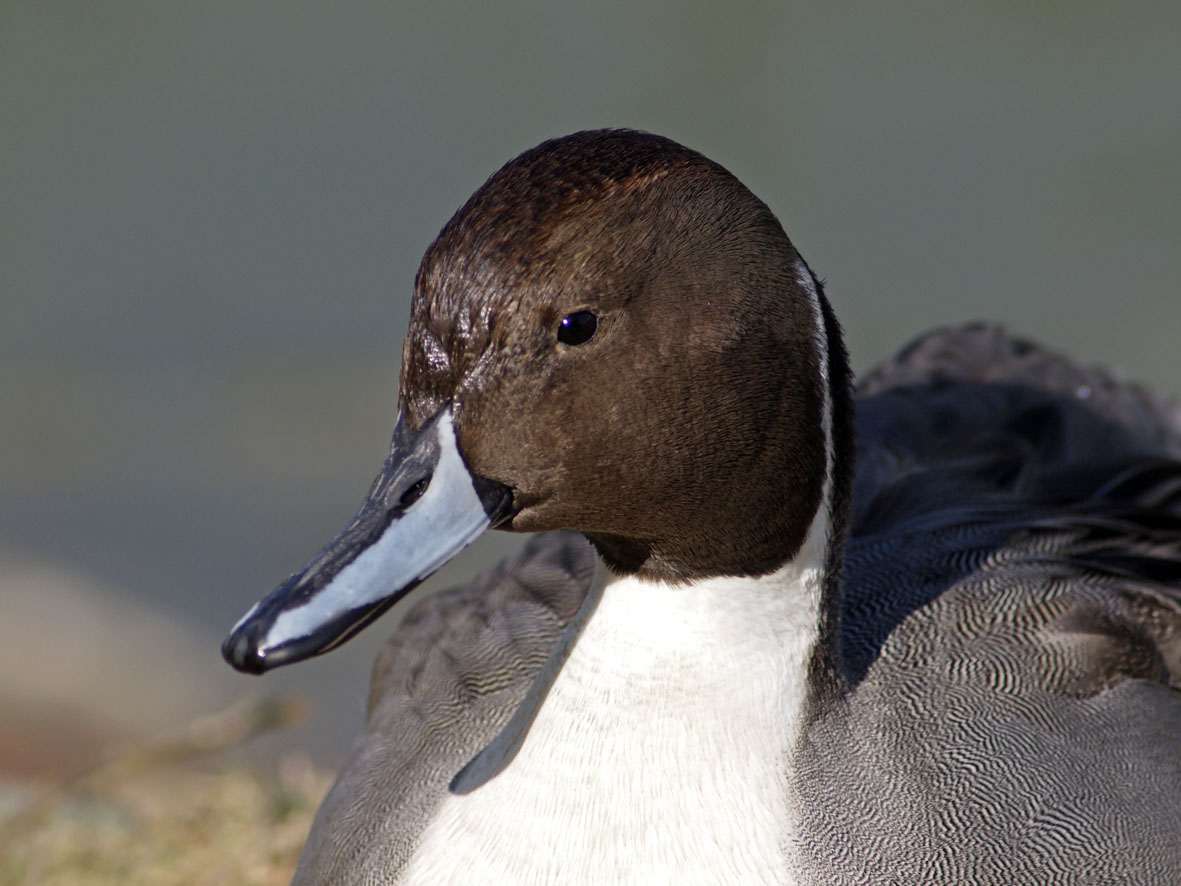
x,y
423,508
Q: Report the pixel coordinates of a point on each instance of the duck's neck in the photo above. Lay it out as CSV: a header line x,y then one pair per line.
x,y
789,618
656,745
744,651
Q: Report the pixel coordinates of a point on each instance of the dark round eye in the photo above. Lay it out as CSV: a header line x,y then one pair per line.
x,y
577,328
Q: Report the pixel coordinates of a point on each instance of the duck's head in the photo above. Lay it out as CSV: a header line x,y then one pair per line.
x,y
615,336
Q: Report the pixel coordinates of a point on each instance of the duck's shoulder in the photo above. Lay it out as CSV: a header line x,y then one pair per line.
x,y
1004,491
502,623
1012,610
1071,598
443,686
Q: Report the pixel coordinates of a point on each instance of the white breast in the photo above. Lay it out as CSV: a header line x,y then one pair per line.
x,y
659,752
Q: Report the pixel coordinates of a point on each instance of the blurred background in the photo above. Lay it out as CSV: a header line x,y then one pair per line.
x,y
211,214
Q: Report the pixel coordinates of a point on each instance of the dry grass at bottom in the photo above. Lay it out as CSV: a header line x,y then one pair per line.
x,y
153,819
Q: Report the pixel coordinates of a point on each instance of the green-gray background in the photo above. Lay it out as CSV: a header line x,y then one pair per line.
x,y
211,213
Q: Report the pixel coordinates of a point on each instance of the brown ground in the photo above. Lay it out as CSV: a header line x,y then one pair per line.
x,y
179,811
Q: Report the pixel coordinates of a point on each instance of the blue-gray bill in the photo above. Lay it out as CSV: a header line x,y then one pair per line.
x,y
423,508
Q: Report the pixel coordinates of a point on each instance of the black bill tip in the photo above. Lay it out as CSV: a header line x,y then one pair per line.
x,y
242,651
423,508
252,649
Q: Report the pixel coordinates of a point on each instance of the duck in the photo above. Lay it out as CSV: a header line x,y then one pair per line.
x,y
772,626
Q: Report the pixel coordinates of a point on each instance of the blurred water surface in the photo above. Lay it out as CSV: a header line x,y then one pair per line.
x,y
211,214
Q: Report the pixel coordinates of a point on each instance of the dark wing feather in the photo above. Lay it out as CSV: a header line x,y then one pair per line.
x,y
976,406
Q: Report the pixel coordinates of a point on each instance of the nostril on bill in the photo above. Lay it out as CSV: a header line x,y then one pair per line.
x,y
414,493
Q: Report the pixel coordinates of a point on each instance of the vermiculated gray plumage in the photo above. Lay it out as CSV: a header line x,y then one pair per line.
x,y
1012,629
1011,636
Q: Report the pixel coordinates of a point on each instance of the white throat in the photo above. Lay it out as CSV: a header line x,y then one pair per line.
x,y
659,753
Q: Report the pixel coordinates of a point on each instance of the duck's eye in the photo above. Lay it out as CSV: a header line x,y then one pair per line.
x,y
577,328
